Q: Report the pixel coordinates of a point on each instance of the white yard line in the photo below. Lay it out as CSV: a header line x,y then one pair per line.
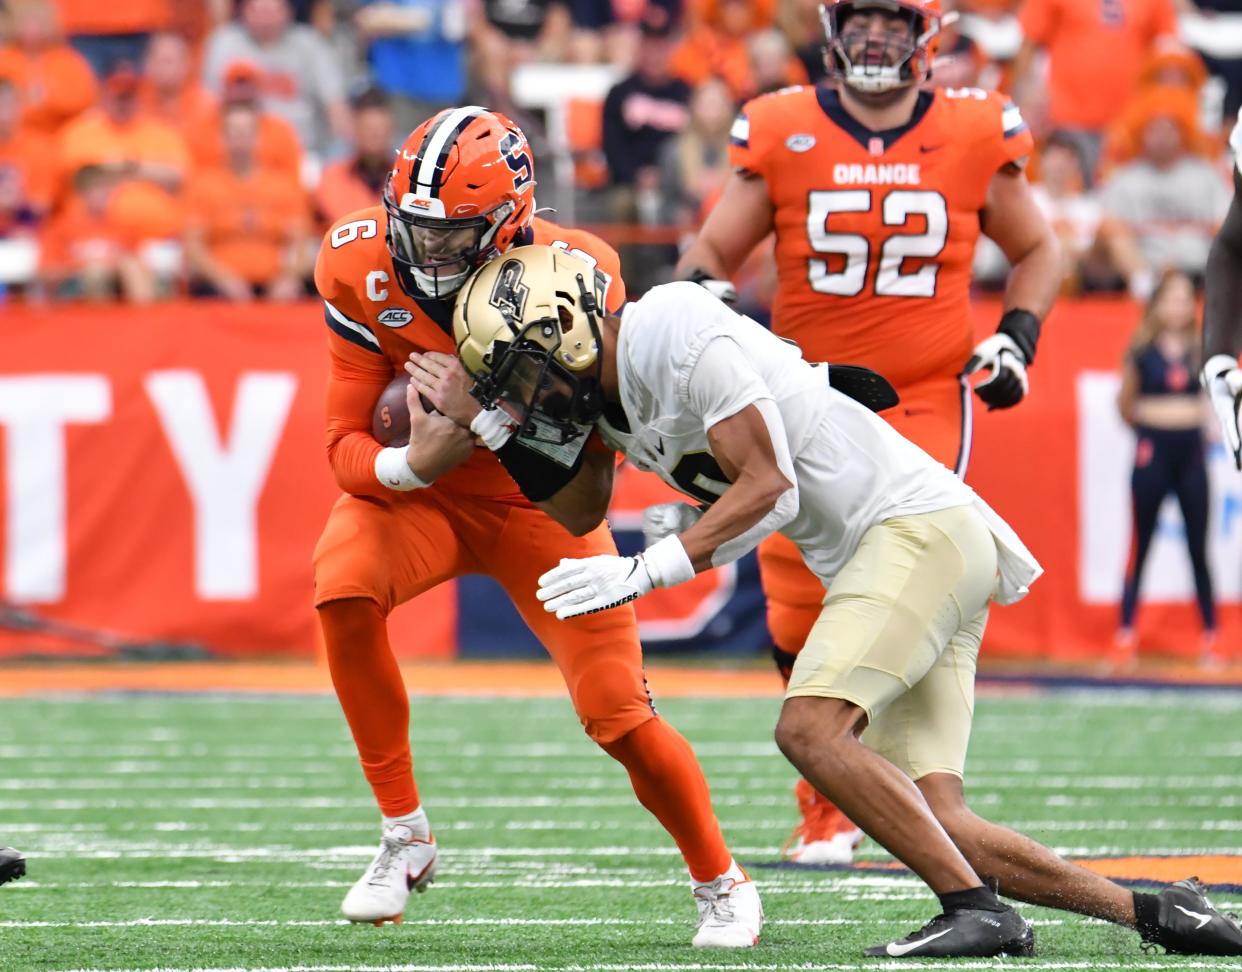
x,y
955,964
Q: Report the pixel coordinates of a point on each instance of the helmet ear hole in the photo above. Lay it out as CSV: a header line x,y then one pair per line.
x,y
565,315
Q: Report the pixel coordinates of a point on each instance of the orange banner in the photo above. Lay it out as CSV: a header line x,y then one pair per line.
x,y
1058,469
164,483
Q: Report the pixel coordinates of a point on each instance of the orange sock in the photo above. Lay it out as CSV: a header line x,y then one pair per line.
x,y
668,781
372,694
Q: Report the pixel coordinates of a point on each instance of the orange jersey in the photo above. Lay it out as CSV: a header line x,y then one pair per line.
x,y
374,325
876,231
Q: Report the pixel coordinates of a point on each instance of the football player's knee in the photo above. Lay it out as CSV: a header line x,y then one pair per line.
x,y
348,623
611,700
810,723
341,573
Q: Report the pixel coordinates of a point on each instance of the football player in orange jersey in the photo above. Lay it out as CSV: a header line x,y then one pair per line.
x,y
459,501
877,189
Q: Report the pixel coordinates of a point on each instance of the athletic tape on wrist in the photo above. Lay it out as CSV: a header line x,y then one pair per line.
x,y
393,471
493,426
667,562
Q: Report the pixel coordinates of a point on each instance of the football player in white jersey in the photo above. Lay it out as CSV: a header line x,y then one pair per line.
x,y
731,415
1222,313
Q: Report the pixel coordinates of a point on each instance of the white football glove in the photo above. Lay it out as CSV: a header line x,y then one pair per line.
x,y
1007,385
596,584
668,519
1222,379
593,584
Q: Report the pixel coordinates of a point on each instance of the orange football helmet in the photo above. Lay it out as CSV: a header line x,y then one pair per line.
x,y
462,191
874,62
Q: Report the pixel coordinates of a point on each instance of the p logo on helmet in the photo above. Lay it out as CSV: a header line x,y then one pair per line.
x,y
527,329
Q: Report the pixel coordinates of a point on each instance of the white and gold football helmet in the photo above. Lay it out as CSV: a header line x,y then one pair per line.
x,y
527,329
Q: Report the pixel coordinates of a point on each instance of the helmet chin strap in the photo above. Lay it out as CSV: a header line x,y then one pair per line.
x,y
438,286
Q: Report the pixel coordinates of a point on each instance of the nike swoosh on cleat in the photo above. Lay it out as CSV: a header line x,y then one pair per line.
x,y
897,950
1203,919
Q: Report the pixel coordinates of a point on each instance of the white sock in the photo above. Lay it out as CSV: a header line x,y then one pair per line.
x,y
415,821
734,871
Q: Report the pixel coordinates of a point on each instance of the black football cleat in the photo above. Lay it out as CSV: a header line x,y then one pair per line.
x,y
969,933
12,864
1187,924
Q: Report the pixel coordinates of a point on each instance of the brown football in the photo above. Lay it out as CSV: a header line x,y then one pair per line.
x,y
390,420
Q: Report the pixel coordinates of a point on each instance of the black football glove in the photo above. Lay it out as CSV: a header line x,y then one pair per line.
x,y
1005,355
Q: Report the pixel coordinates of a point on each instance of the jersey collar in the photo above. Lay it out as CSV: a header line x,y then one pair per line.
x,y
830,102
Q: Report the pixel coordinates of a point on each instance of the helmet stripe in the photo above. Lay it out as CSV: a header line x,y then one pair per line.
x,y
436,147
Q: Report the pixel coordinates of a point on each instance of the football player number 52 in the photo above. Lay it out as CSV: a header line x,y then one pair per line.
x,y
897,209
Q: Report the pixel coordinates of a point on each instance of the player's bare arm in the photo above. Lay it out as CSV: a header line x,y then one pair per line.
x,y
736,225
582,503
1222,324
742,446
1014,222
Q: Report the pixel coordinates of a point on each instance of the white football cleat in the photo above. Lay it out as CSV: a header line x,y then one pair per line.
x,y
730,912
404,863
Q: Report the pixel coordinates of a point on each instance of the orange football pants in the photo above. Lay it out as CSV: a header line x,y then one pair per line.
x,y
934,415
374,555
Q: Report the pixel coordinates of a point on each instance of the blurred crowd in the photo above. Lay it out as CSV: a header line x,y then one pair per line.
x,y
156,148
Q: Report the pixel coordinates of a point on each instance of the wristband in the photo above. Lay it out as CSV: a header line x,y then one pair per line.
x,y
493,426
667,562
1021,327
393,471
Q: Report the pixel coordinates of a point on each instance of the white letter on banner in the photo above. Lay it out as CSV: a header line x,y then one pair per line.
x,y
34,409
224,474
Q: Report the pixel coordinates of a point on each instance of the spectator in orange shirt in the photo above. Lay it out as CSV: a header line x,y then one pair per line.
x,y
25,152
1096,53
148,156
799,22
279,148
356,182
24,190
87,253
55,81
249,229
170,91
106,32
721,46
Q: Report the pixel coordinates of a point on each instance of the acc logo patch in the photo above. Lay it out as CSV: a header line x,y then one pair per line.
x,y
800,143
395,317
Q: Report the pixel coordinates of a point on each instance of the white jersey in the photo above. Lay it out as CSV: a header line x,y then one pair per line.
x,y
686,361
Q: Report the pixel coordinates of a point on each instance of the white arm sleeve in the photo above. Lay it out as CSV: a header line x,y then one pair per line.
x,y
721,385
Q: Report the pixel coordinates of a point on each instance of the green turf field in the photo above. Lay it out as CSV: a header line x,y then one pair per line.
x,y
221,833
